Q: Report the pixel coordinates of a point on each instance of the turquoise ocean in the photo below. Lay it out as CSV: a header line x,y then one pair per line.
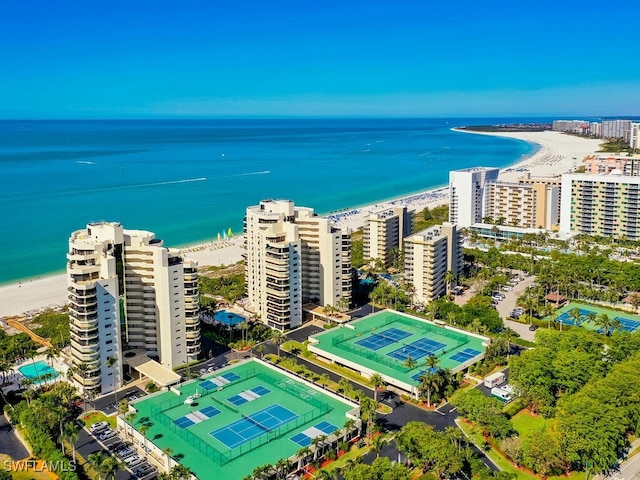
x,y
188,180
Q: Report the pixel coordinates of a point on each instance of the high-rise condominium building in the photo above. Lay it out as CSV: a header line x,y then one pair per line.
x,y
469,194
384,230
526,205
127,291
606,205
293,257
429,255
605,164
634,135
616,129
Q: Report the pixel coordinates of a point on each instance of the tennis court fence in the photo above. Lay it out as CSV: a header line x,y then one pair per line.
x,y
193,440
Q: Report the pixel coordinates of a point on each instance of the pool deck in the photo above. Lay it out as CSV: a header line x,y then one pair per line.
x,y
201,433
344,345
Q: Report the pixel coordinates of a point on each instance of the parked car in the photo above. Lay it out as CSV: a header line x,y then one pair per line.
x,y
133,460
533,328
125,452
107,434
144,470
98,427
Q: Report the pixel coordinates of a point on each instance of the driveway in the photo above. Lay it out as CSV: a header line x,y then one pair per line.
x,y
510,302
10,444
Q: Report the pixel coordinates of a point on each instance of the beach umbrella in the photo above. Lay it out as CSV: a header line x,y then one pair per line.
x,y
219,236
229,233
224,235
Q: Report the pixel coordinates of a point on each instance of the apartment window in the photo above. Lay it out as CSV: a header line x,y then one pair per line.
x,y
107,309
108,325
109,342
106,301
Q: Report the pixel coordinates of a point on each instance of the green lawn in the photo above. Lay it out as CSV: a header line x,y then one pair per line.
x,y
524,422
95,417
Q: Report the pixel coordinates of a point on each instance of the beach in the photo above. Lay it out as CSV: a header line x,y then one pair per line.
x,y
557,154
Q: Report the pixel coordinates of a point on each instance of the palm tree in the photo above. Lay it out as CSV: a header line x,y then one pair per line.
x,y
324,379
329,310
376,382
318,443
449,278
348,427
180,472
430,382
377,443
455,436
410,363
607,324
95,460
303,454
130,417
575,314
347,388
71,433
168,452
592,317
111,361
82,369
282,468
260,350
368,413
144,428
109,467
323,474
342,304
278,338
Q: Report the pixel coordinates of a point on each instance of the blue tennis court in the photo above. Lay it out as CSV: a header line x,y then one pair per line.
x,y
380,340
628,325
254,425
464,355
248,395
418,349
567,319
196,417
417,377
217,382
305,438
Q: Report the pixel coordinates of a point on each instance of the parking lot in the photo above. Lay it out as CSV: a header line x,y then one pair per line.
x,y
101,437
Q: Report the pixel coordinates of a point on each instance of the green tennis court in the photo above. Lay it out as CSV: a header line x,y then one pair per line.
x,y
384,341
225,425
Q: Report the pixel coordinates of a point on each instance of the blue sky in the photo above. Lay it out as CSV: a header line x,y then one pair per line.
x,y
113,59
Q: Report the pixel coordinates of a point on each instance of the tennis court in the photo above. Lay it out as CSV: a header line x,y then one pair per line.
x,y
565,315
397,346
252,426
240,418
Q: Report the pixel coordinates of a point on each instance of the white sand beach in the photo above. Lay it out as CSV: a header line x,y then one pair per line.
x,y
558,154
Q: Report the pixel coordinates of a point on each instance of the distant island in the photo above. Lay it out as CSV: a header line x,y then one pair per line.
x,y
509,127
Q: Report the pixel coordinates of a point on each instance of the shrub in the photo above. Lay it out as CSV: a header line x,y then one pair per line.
x,y
514,407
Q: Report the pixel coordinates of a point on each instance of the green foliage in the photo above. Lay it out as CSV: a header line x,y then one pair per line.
x,y
55,326
380,469
14,347
151,387
230,287
429,449
485,412
430,217
357,250
512,408
614,145
562,363
41,421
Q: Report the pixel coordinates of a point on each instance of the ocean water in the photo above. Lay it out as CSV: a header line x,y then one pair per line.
x,y
188,180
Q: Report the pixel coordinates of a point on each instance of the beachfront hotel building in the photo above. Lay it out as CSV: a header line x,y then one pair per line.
x,y
383,232
469,194
526,205
127,292
428,256
605,164
293,257
605,205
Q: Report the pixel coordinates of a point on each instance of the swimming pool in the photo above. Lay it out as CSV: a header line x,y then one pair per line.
x,y
228,318
37,369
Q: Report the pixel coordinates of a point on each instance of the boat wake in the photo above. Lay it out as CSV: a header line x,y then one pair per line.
x,y
85,162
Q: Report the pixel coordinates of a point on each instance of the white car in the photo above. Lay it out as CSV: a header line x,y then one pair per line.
x,y
125,452
98,427
133,460
107,435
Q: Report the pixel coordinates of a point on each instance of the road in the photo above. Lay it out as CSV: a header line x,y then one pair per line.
x,y
629,470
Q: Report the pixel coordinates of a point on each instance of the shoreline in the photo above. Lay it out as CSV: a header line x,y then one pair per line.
x,y
557,154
